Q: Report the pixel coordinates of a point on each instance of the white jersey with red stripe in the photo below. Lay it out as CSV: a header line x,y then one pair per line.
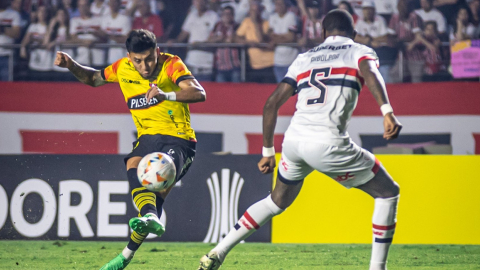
x,y
327,80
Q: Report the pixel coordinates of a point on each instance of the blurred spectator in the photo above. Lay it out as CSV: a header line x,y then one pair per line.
x,y
164,11
58,33
10,30
311,25
474,6
227,60
449,9
356,5
372,31
243,9
148,20
85,31
404,25
24,16
429,44
429,13
40,58
197,28
70,7
116,27
252,31
130,7
99,8
463,27
283,27
345,5
386,8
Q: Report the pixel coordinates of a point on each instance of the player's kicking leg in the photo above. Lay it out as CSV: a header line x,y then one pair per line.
x,y
256,215
148,221
386,194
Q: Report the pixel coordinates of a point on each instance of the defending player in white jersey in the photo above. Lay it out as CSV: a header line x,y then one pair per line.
x,y
327,80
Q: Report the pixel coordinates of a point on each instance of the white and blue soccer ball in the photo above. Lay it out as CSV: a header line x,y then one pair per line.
x,y
156,171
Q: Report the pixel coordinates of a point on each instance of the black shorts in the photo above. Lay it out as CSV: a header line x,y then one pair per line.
x,y
181,151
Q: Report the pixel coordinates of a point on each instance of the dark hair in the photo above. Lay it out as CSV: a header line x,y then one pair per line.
x,y
339,20
54,32
140,40
349,7
434,23
469,14
230,8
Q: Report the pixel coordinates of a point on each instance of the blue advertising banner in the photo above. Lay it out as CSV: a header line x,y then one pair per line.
x,y
87,197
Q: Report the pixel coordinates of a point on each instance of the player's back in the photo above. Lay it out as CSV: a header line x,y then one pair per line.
x,y
327,80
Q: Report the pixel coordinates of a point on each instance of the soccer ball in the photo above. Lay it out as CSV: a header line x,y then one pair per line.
x,y
156,171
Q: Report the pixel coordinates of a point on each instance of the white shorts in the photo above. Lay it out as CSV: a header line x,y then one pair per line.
x,y
349,165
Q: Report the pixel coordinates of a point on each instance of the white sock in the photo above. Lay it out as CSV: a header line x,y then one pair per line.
x,y
384,222
255,216
127,253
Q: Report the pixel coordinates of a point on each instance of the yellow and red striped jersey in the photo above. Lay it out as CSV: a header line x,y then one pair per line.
x,y
157,117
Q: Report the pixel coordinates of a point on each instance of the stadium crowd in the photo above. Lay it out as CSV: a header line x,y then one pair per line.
x,y
408,35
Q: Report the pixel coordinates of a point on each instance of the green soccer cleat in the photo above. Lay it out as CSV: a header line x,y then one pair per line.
x,y
147,224
117,263
211,261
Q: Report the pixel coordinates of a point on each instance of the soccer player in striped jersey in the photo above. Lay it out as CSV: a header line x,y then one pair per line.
x,y
157,88
327,80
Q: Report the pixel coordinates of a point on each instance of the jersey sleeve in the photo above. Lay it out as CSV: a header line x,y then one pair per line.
x,y
109,73
364,53
177,71
292,74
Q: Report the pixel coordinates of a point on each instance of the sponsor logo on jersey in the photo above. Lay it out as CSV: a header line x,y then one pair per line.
x,y
330,47
347,176
130,81
140,102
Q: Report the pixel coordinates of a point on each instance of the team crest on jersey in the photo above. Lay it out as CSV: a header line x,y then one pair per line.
x,y
140,102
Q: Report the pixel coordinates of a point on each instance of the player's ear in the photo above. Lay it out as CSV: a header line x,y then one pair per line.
x,y
128,55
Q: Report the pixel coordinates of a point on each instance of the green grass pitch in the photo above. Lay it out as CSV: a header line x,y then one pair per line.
x,y
157,255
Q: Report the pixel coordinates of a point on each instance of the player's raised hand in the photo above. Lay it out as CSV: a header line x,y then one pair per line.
x,y
63,60
391,126
267,164
156,92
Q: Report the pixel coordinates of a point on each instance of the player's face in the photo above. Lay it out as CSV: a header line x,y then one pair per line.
x,y
145,62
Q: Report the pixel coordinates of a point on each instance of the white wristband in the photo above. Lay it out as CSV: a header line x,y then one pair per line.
x,y
386,108
172,96
268,151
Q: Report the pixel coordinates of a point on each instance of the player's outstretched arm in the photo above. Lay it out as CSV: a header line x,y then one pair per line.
x,y
190,92
270,113
86,75
376,85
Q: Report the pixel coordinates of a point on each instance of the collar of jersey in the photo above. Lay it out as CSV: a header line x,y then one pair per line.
x,y
336,39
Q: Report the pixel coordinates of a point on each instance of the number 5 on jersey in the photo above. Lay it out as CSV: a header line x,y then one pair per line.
x,y
316,75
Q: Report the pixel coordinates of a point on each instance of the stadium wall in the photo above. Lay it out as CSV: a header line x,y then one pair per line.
x,y
439,204
71,118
